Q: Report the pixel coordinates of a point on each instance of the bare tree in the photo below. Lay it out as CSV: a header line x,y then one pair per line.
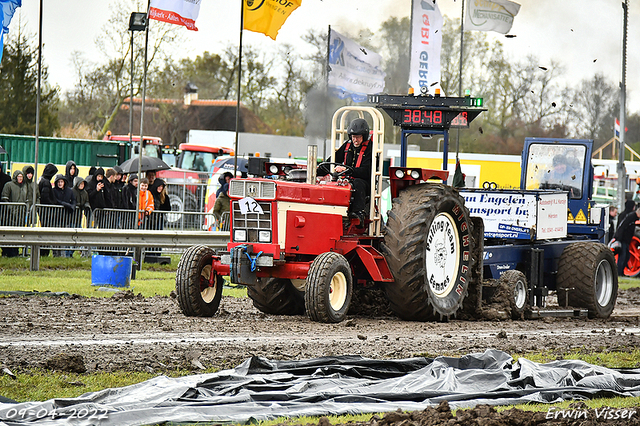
x,y
595,104
285,110
101,88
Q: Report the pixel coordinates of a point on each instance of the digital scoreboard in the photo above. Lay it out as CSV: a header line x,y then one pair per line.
x,y
429,112
433,118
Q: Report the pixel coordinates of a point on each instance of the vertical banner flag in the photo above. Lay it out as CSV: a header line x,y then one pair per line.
x,y
490,15
8,7
179,12
426,42
354,71
267,16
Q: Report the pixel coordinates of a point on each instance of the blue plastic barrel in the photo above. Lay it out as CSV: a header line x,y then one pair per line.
x,y
111,270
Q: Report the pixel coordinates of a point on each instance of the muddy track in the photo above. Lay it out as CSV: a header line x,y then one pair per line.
x,y
128,332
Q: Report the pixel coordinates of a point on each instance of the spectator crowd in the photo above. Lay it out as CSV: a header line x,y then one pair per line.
x,y
69,200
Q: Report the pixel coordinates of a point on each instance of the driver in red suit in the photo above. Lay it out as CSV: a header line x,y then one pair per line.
x,y
354,158
624,234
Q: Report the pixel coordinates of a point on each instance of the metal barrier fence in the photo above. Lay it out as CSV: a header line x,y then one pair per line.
x,y
224,223
17,214
53,216
78,238
189,197
13,214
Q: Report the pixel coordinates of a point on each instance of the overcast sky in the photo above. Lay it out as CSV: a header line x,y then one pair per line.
x,y
585,36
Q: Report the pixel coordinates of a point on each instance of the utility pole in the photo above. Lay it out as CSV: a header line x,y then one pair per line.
x,y
622,172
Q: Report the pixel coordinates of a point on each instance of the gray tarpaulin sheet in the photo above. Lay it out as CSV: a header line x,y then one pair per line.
x,y
261,389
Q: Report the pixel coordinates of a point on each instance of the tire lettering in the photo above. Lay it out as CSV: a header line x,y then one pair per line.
x,y
465,240
439,286
463,226
459,290
464,269
465,256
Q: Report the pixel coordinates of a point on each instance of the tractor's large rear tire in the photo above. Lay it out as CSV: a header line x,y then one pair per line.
x,y
427,245
588,278
276,296
197,296
329,288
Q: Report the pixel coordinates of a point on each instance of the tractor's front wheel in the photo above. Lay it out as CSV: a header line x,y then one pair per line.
x,y
588,278
329,288
199,291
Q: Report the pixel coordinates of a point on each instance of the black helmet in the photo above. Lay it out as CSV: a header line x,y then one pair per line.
x,y
359,126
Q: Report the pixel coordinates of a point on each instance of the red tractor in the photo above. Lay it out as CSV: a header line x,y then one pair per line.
x,y
440,252
295,250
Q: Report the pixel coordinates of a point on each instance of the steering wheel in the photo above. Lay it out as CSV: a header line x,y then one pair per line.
x,y
325,165
573,191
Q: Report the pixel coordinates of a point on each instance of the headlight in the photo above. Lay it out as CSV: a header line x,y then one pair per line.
x,y
273,169
264,236
415,174
240,235
399,173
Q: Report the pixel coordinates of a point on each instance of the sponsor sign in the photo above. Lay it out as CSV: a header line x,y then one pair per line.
x,y
521,216
179,12
426,43
552,216
267,16
490,15
354,71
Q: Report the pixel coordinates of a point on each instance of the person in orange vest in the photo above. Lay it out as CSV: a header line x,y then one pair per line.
x,y
355,157
146,204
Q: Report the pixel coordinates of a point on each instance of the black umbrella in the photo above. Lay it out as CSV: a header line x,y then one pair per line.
x,y
148,164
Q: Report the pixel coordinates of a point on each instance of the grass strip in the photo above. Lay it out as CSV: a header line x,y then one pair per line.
x,y
73,275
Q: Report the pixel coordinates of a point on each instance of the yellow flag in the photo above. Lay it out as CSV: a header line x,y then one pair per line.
x,y
267,16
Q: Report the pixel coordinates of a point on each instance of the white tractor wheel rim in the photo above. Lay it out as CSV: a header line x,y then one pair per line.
x,y
604,283
338,291
442,255
208,293
520,295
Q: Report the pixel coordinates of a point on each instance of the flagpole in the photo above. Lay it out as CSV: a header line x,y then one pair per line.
x,y
460,76
35,257
235,154
326,92
37,138
142,105
461,49
622,171
137,252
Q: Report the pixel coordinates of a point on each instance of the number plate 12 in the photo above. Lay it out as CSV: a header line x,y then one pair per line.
x,y
249,205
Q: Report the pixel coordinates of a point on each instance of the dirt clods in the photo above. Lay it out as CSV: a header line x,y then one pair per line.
x,y
66,363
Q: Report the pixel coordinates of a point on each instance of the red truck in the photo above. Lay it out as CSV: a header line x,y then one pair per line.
x,y
187,179
187,182
152,145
